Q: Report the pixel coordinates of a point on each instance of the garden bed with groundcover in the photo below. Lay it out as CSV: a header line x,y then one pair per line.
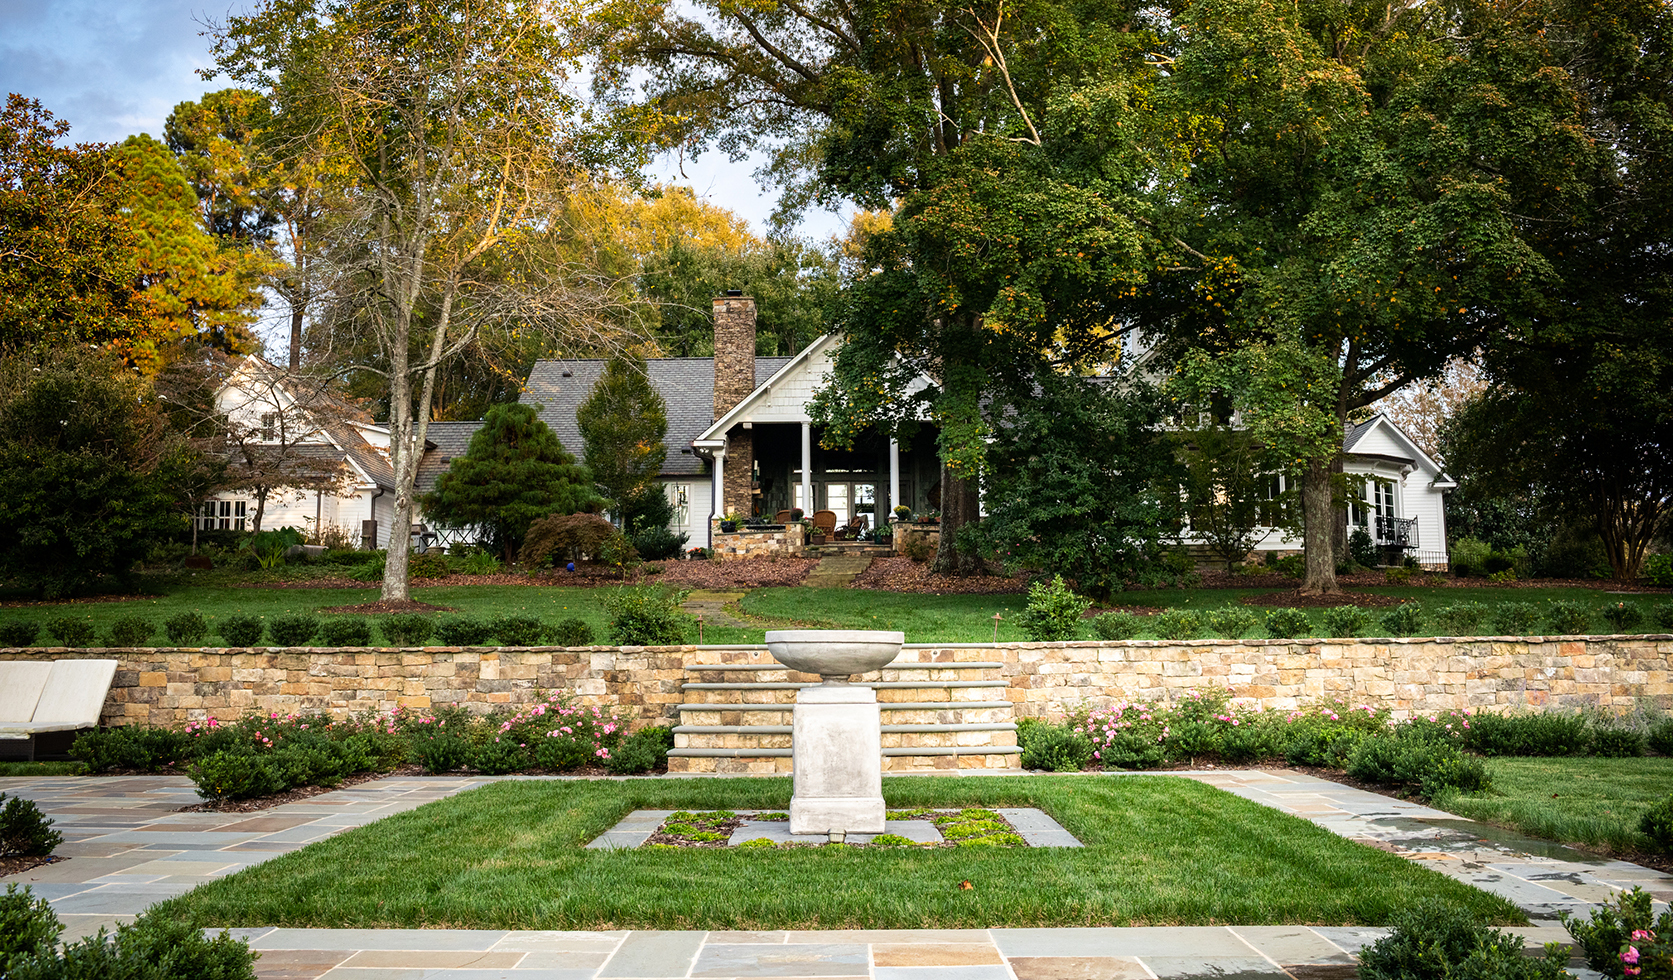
x,y
1158,851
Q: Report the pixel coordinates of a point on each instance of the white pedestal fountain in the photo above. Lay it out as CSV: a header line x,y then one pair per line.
x,y
837,733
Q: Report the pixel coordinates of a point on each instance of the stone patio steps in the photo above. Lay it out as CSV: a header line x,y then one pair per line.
x,y
936,716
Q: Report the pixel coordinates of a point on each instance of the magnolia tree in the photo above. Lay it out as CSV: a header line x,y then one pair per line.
x,y
445,133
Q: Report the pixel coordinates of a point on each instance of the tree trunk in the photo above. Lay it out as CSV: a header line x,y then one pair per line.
x,y
1339,515
400,460
960,505
295,337
261,508
1627,528
1319,518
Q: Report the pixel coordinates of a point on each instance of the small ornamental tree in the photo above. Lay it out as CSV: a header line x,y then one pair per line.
x,y
623,422
514,473
1225,490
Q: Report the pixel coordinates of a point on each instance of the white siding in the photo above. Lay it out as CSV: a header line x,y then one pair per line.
x,y
701,500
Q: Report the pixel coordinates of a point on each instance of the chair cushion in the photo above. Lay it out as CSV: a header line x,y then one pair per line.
x,y
21,684
75,693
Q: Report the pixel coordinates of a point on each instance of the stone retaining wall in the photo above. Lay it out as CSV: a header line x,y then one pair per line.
x,y
170,686
751,544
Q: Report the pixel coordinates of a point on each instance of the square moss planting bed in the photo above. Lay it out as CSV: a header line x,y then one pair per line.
x,y
922,827
1158,851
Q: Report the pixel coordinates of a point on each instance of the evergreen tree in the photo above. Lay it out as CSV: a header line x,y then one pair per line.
x,y
90,471
623,422
514,473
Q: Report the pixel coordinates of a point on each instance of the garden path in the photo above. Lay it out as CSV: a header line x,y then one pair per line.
x,y
131,848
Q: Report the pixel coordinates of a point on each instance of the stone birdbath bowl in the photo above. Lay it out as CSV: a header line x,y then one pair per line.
x,y
835,655
836,733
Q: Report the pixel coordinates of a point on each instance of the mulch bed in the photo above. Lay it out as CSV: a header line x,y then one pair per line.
x,y
18,865
391,606
726,826
291,796
906,575
1296,599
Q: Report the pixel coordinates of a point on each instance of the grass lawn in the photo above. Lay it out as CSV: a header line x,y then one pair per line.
x,y
1159,851
969,618
924,618
1588,801
26,768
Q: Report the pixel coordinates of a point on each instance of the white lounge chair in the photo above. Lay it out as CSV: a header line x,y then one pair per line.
x,y
39,696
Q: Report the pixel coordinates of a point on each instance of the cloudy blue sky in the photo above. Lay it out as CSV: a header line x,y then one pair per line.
x,y
118,67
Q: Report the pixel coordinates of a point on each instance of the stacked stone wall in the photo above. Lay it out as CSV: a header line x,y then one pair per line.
x,y
172,686
754,544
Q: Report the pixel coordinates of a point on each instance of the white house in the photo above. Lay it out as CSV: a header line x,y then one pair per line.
x,y
739,440
296,424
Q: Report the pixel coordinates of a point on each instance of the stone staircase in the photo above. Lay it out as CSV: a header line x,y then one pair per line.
x,y
836,571
936,716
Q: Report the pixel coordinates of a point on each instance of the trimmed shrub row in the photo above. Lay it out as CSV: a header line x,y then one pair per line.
x,y
1054,614
190,629
1427,754
261,756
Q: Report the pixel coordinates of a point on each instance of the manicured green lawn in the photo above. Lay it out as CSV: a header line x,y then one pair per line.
x,y
549,603
969,618
1159,851
1588,801
924,618
27,768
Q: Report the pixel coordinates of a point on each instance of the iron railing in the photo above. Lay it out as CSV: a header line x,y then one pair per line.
x,y
1396,532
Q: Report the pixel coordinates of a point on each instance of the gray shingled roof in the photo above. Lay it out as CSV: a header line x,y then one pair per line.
x,y
445,441
687,384
1357,432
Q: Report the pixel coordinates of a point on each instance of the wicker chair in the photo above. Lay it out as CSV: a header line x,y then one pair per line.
x,y
824,522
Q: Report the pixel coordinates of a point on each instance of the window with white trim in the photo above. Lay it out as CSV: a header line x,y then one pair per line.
x,y
679,495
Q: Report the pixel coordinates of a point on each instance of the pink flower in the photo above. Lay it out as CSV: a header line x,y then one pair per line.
x,y
1631,955
1643,934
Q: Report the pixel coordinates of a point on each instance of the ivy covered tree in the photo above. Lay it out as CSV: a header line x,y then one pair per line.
x,y
514,473
623,422
90,470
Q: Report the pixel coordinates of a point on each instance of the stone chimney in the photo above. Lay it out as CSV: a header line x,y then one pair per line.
x,y
734,380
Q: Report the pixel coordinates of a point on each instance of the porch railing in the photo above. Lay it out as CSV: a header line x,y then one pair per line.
x,y
1396,532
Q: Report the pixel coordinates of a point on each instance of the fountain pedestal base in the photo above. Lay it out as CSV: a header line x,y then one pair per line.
x,y
838,739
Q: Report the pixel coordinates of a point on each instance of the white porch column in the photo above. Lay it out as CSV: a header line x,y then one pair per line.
x,y
717,506
894,479
807,469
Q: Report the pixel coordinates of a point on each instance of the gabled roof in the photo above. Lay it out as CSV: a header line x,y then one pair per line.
x,y
1413,453
443,441
686,384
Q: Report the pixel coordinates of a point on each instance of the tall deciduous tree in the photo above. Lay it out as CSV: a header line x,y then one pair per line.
x,y
1358,197
444,127
623,422
514,473
995,253
1579,410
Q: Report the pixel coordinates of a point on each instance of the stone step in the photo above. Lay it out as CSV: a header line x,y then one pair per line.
x,y
764,761
986,726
